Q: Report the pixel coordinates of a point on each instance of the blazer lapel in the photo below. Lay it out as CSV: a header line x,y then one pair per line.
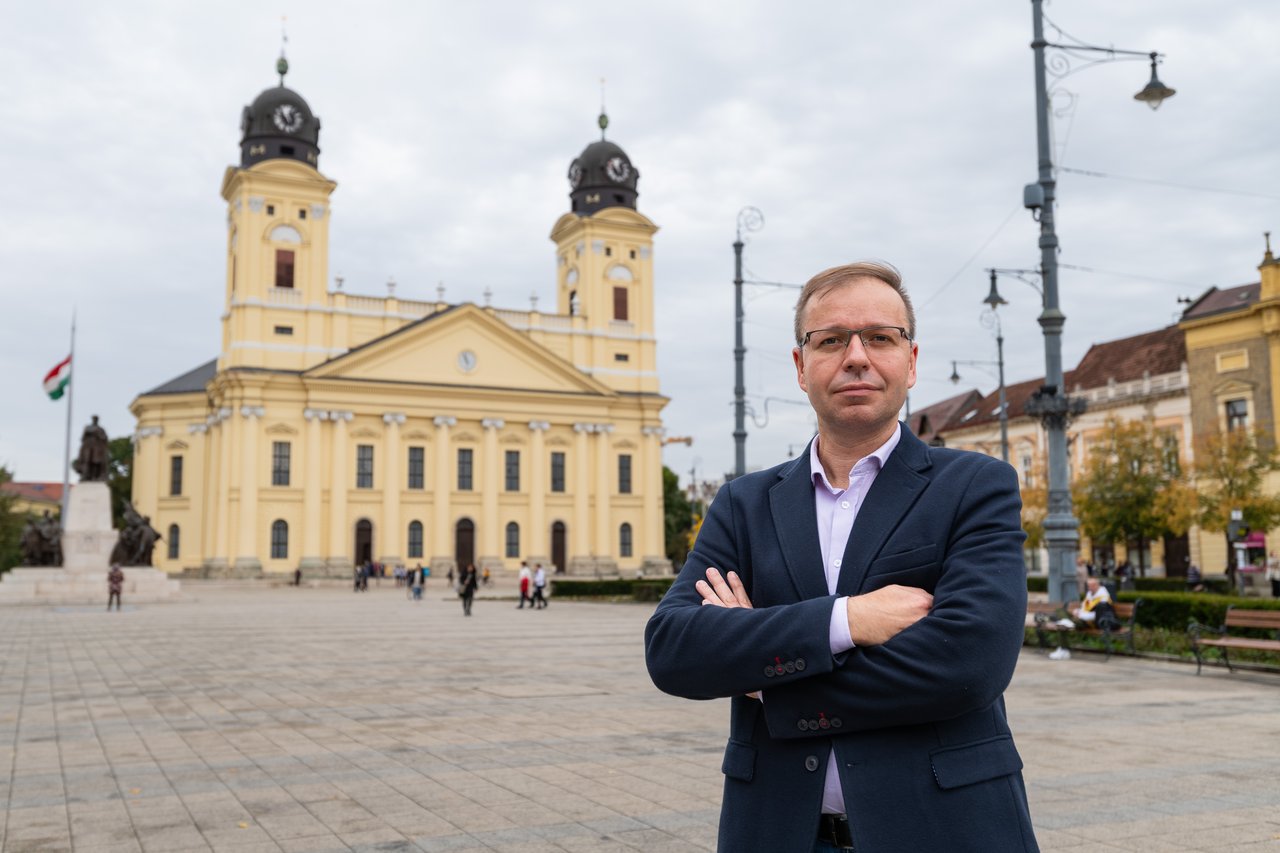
x,y
796,522
897,487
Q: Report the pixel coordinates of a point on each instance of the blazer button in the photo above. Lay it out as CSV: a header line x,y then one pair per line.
x,y
799,664
813,725
824,723
768,672
803,725
789,666
811,763
836,722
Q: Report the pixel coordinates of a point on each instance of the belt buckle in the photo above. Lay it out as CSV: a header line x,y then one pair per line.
x,y
834,829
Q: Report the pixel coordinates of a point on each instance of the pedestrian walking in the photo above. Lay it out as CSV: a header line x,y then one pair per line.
x,y
115,583
539,585
526,580
467,587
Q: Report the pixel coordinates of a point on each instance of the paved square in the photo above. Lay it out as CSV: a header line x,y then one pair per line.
x,y
273,718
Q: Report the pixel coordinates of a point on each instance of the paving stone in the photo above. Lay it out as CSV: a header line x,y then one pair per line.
x,y
370,723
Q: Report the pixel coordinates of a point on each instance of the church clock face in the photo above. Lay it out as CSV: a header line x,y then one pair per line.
x,y
287,117
466,361
575,174
617,169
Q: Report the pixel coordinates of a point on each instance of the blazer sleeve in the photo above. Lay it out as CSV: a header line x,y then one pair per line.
x,y
711,652
961,656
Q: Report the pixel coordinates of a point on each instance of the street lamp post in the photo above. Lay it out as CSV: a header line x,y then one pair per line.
x,y
749,219
1051,403
993,301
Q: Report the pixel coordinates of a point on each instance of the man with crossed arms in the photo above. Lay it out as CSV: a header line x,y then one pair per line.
x,y
863,605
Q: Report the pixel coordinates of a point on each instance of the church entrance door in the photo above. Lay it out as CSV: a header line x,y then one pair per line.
x,y
464,543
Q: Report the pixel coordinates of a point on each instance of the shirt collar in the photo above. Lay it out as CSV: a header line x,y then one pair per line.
x,y
878,456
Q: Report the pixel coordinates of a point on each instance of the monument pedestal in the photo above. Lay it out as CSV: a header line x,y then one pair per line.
x,y
87,542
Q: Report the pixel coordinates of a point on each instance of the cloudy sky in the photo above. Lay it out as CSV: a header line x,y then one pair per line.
x,y
860,129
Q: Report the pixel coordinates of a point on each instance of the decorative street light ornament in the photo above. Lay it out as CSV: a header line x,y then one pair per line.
x,y
1154,93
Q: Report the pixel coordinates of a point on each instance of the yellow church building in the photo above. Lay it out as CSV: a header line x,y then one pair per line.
x,y
334,429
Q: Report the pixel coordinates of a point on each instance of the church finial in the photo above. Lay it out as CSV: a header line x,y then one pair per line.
x,y
282,64
603,121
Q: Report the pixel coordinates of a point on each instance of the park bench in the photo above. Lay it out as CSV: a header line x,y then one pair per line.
x,y
1267,620
1046,616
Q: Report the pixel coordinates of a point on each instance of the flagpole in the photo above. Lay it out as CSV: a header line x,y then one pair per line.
x,y
66,449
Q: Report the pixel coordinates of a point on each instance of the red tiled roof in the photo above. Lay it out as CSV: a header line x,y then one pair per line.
x,y
1215,301
34,491
1154,353
931,420
1159,352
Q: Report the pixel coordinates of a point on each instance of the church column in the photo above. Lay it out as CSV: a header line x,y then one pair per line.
x,y
247,562
391,485
493,467
220,562
606,548
536,540
581,558
652,546
312,549
443,560
213,489
341,537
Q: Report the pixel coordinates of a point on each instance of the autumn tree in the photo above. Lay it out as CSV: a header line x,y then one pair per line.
x,y
1132,488
11,524
1230,473
677,515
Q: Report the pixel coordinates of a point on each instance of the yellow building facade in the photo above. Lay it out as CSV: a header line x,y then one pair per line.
x,y
334,429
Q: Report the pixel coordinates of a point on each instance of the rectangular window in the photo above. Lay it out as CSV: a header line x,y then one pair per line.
x,y
175,475
279,540
284,330
624,473
364,466
415,539
302,213
1237,414
621,356
280,463
174,539
513,470
619,303
464,469
624,541
417,466
557,471
284,267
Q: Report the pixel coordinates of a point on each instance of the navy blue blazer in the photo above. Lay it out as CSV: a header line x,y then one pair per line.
x,y
926,758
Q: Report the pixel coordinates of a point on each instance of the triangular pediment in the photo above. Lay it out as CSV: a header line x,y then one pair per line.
x,y
464,347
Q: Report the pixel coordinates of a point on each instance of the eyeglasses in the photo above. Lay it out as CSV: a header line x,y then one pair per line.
x,y
873,338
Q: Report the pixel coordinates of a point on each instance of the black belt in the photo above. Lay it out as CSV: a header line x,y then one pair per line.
x,y
834,829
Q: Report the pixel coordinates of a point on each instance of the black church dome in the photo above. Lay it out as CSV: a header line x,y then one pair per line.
x,y
602,176
279,124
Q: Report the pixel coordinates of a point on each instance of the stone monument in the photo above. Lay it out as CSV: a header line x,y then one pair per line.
x,y
88,540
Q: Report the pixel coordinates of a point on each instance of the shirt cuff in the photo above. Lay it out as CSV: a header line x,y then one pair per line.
x,y
838,629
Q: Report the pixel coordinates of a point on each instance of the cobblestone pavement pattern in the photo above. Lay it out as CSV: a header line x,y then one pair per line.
x,y
274,718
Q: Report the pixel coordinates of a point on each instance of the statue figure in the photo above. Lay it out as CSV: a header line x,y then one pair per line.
x,y
91,464
42,541
137,540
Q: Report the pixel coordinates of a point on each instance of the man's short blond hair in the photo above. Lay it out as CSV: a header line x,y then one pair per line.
x,y
829,280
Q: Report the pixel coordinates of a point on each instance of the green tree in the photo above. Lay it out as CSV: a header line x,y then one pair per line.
x,y
678,517
11,524
1132,489
1230,470
120,476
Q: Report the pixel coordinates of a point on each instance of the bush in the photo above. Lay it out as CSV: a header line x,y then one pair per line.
x,y
637,589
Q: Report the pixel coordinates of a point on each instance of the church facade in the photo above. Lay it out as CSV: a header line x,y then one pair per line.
x,y
334,429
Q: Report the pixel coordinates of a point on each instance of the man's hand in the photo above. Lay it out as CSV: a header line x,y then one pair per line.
x,y
719,593
879,616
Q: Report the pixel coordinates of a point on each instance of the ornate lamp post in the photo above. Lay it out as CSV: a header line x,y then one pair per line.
x,y
990,318
749,219
1051,402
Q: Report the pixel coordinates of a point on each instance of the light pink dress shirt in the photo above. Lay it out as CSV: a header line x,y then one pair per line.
x,y
837,509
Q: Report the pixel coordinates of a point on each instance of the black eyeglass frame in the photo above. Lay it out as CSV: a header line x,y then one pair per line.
x,y
804,342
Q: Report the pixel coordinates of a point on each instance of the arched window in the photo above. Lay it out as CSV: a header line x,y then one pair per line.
x,y
174,540
415,539
513,540
279,539
624,540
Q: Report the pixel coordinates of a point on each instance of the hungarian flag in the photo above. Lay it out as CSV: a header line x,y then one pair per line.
x,y
55,384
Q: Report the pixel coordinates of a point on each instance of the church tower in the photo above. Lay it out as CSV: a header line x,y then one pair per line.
x,y
604,255
277,237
